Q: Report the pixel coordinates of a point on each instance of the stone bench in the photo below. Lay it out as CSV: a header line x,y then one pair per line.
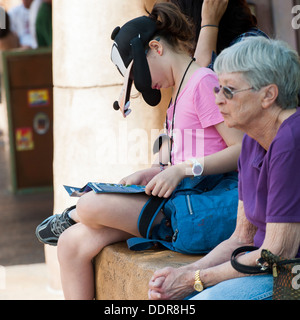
x,y
122,274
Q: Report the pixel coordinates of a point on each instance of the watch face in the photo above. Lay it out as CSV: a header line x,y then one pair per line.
x,y
197,169
198,286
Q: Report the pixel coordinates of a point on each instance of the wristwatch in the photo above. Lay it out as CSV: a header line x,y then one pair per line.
x,y
198,285
197,169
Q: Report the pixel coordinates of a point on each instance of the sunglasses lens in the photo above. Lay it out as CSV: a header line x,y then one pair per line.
x,y
227,93
217,90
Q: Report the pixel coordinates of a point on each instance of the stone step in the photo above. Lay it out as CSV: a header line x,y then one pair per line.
x,y
122,274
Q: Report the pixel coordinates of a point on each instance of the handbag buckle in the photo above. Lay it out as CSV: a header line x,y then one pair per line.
x,y
262,264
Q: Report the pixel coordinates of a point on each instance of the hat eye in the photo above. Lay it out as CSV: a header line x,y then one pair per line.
x,y
117,59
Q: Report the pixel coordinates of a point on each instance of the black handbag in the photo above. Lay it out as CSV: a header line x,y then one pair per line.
x,y
286,272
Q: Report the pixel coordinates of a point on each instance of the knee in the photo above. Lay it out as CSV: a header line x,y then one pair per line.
x,y
85,211
67,246
90,208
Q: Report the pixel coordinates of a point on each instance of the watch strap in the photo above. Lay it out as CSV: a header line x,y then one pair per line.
x,y
198,281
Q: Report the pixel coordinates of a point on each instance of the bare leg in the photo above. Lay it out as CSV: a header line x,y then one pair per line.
x,y
117,211
77,246
106,219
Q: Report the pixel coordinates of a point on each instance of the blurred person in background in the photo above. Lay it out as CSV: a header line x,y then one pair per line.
x,y
43,25
8,38
19,23
218,24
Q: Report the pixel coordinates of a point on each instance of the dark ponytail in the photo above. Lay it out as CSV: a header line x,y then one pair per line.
x,y
174,27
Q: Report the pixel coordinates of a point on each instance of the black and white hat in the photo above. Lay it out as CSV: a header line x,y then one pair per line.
x,y
129,55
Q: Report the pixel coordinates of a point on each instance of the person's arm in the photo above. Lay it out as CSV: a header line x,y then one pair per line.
x,y
226,160
212,13
171,283
282,239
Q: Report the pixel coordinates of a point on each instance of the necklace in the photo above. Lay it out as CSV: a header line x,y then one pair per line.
x,y
175,103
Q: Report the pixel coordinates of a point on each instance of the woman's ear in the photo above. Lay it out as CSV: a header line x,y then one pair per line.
x,y
156,46
269,96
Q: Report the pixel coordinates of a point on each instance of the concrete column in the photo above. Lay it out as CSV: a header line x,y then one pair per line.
x,y
92,142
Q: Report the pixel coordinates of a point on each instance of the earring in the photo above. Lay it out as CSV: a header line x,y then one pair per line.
x,y
158,51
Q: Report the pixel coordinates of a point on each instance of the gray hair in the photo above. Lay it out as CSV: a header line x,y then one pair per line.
x,y
262,62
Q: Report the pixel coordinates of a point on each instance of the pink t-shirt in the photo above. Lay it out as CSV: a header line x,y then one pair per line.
x,y
196,114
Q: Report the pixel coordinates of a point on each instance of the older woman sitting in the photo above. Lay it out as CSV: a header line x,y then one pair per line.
x,y
259,81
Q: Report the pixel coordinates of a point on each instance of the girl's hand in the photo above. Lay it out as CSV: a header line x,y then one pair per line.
x,y
163,184
213,11
141,177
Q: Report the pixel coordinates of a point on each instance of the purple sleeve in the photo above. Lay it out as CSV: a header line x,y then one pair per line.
x,y
284,188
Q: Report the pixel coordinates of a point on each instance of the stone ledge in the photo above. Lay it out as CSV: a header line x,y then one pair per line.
x,y
122,274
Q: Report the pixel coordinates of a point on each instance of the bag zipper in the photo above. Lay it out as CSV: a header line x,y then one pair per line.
x,y
274,267
189,204
174,237
290,261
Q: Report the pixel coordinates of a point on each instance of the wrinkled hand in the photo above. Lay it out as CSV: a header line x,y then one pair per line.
x,y
213,11
163,184
171,284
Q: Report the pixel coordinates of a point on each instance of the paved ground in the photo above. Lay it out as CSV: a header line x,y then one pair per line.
x,y
23,272
27,282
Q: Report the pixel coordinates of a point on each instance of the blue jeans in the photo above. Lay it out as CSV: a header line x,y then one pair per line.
x,y
246,288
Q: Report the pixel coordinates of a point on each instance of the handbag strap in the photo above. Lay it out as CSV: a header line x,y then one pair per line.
x,y
243,268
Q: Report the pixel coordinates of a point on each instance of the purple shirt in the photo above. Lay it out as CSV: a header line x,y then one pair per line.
x,y
269,181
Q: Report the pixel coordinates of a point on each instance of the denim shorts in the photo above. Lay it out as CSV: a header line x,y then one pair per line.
x,y
247,288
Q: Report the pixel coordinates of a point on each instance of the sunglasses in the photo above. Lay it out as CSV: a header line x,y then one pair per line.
x,y
228,93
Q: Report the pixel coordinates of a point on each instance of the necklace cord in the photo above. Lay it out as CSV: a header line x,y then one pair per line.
x,y
175,102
